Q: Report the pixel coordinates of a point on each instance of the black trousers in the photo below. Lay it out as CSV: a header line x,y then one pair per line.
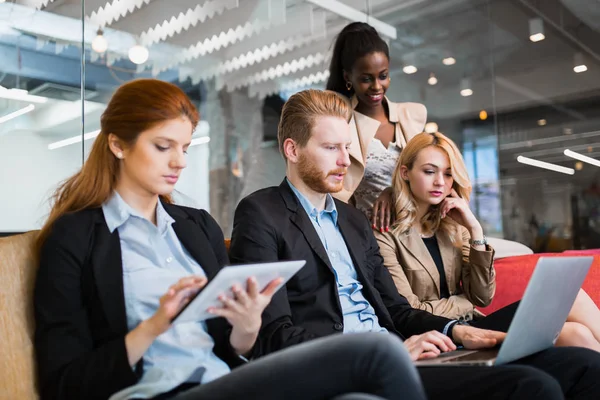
x,y
371,366
556,373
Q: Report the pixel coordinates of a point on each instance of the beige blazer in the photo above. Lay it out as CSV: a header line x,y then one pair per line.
x,y
409,119
469,273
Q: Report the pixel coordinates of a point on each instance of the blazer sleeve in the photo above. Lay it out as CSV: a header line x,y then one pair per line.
x,y
70,365
453,307
254,240
478,274
407,320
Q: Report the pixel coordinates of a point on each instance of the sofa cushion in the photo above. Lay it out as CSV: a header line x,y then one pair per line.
x,y
17,274
513,274
507,248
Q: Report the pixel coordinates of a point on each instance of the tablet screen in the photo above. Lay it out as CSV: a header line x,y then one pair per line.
x,y
196,310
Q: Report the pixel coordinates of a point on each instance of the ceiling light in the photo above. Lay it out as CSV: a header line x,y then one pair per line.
x,y
483,115
138,54
20,94
432,79
581,157
99,44
578,165
73,140
465,87
545,165
431,127
579,63
17,113
409,69
449,61
542,122
536,30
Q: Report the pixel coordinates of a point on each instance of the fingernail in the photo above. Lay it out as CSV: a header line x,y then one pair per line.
x,y
374,227
381,229
387,228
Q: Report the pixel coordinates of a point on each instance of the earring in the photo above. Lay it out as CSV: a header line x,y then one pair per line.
x,y
120,155
349,85
389,78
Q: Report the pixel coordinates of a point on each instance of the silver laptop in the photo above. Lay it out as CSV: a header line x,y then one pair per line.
x,y
538,320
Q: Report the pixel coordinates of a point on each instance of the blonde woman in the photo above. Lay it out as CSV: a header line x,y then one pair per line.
x,y
436,250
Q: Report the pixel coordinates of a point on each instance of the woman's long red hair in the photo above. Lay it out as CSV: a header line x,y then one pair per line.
x,y
135,107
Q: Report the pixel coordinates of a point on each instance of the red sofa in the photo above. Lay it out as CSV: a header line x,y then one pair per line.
x,y
513,273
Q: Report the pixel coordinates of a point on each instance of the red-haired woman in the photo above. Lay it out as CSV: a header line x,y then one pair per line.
x,y
118,260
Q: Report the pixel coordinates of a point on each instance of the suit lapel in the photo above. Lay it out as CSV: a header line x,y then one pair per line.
x,y
353,243
447,250
195,241
415,246
107,266
363,130
303,223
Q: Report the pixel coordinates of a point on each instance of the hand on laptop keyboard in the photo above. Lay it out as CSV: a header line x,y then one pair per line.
x,y
475,338
428,345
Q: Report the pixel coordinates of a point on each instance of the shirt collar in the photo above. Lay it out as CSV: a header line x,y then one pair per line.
x,y
310,209
117,212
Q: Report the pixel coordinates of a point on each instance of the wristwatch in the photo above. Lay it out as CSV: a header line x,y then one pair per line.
x,y
478,242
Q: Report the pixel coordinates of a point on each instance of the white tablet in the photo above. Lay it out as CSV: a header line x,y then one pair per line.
x,y
226,278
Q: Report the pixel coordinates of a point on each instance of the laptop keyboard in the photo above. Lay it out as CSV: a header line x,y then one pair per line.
x,y
472,356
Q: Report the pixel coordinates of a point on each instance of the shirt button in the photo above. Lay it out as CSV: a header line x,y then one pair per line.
x,y
338,326
169,259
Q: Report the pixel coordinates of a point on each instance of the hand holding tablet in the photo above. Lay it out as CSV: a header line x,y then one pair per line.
x,y
267,278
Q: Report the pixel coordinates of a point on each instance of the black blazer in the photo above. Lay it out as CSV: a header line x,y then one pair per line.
x,y
271,225
80,306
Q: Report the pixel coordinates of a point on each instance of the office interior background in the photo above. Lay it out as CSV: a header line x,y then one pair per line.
x,y
513,82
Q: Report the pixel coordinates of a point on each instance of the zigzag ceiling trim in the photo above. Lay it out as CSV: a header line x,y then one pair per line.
x,y
278,71
262,90
209,45
112,12
245,60
306,81
37,4
184,21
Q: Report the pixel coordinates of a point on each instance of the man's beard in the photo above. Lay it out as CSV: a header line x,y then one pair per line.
x,y
314,179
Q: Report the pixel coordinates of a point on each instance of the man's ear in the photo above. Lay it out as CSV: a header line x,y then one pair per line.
x,y
404,172
290,150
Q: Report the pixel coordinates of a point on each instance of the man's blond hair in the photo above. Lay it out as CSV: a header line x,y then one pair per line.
x,y
302,108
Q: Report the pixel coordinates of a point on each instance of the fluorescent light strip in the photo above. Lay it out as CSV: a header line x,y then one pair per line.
x,y
18,94
200,140
73,140
545,165
352,14
581,157
17,113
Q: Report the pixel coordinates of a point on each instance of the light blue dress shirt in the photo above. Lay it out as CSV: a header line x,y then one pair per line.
x,y
154,259
359,315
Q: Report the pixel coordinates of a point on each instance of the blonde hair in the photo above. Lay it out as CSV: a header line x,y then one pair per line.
x,y
300,111
405,203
